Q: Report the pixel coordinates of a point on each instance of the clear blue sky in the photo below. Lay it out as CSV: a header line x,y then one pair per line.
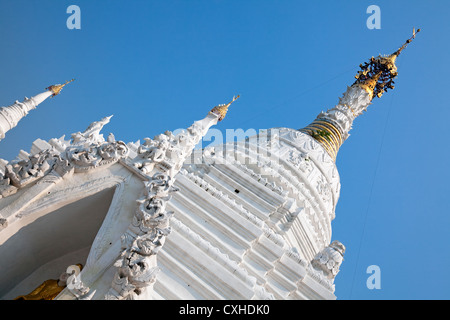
x,y
160,65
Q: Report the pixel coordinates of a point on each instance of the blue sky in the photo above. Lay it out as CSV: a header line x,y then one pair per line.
x,y
160,65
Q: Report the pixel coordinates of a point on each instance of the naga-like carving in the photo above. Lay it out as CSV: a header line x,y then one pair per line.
x,y
22,172
151,152
89,149
92,132
141,242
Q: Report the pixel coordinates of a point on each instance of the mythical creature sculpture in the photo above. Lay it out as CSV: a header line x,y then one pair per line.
x,y
329,259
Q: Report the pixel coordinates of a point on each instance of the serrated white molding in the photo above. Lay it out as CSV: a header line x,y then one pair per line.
x,y
353,103
11,115
159,159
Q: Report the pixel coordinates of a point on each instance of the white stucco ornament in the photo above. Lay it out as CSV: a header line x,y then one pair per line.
x,y
163,220
167,209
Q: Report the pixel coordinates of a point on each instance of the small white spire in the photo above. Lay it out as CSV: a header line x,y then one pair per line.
x,y
11,115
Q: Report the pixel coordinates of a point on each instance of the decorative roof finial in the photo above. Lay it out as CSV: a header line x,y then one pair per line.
x,y
377,75
331,128
222,109
56,88
397,53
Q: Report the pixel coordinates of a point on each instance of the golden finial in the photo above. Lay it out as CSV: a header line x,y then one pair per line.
x,y
397,53
222,109
56,88
377,75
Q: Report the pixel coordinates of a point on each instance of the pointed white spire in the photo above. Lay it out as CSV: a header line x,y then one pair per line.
x,y
160,160
11,115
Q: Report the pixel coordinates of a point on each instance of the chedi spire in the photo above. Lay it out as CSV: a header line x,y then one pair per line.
x,y
11,115
376,76
222,109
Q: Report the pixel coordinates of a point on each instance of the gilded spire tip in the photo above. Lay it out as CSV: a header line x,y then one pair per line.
x,y
56,88
397,53
377,75
221,109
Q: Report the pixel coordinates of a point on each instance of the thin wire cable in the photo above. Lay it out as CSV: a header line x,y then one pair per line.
x,y
371,190
263,112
